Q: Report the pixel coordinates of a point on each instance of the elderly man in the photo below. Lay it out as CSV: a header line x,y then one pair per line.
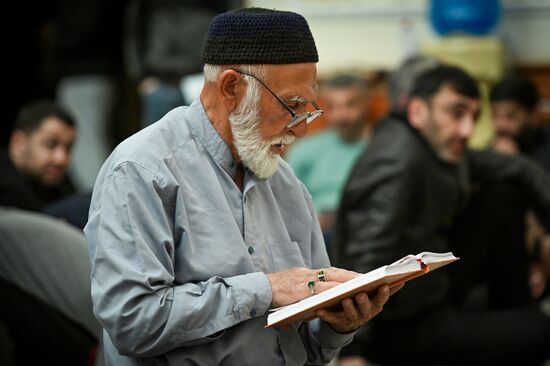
x,y
197,227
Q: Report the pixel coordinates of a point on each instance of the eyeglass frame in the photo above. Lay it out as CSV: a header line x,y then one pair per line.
x,y
297,118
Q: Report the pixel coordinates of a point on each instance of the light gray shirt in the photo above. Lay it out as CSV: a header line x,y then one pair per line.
x,y
179,254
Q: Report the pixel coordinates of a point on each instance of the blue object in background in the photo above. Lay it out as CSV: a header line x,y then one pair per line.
x,y
476,17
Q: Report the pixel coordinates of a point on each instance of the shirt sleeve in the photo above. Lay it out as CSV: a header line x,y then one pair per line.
x,y
145,312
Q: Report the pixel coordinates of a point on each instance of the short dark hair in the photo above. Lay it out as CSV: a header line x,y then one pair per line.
x,y
516,89
31,115
401,80
344,81
428,83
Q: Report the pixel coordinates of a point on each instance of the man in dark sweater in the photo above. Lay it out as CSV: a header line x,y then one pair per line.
x,y
519,130
418,188
34,166
514,103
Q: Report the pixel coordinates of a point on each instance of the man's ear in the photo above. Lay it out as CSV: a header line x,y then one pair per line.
x,y
19,141
231,88
417,112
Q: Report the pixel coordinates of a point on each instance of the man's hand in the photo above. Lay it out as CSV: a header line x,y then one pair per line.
x,y
354,315
291,285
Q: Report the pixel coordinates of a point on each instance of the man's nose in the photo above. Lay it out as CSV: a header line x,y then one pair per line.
x,y
467,127
300,129
61,156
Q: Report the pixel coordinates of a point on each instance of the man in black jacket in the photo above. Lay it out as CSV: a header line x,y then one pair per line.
x,y
417,188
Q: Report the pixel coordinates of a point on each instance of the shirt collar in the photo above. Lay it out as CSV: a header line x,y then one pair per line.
x,y
204,131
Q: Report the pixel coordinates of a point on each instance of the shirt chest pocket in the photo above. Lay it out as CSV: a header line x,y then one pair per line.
x,y
285,255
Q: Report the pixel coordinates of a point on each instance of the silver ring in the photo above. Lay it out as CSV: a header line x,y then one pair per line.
x,y
311,286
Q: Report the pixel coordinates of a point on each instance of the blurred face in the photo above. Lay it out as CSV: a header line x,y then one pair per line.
x,y
509,118
346,110
45,153
447,121
259,124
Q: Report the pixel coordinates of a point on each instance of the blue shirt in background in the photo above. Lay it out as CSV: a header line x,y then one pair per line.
x,y
323,163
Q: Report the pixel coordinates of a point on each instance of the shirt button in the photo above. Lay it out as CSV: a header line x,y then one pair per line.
x,y
250,250
231,164
252,313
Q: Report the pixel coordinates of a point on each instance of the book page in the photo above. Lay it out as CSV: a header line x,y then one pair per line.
x,y
436,260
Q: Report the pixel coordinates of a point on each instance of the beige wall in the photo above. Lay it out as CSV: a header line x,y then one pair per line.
x,y
370,34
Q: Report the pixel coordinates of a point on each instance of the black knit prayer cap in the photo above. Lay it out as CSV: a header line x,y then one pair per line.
x,y
259,36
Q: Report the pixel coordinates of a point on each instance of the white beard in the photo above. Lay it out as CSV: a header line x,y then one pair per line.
x,y
254,151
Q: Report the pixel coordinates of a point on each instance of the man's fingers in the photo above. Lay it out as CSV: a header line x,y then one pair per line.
x,y
338,274
365,305
382,295
323,286
396,288
350,311
355,313
327,316
348,315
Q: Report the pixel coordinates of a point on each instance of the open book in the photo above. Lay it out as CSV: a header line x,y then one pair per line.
x,y
394,274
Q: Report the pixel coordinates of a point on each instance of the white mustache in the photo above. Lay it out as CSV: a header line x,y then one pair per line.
x,y
284,140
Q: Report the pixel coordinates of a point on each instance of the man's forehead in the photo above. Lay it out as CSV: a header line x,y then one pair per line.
x,y
53,126
350,91
294,81
508,105
292,71
53,123
448,93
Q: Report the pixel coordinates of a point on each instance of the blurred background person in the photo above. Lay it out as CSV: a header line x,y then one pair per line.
x,y
34,166
323,161
402,79
162,46
46,313
514,105
86,67
417,188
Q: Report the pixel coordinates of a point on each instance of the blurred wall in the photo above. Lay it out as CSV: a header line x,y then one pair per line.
x,y
378,34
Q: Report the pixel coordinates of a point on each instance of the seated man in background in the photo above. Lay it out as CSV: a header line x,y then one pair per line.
x,y
518,130
46,313
514,103
323,161
417,188
34,167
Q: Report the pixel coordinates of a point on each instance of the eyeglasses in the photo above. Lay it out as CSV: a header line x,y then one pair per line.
x,y
296,117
